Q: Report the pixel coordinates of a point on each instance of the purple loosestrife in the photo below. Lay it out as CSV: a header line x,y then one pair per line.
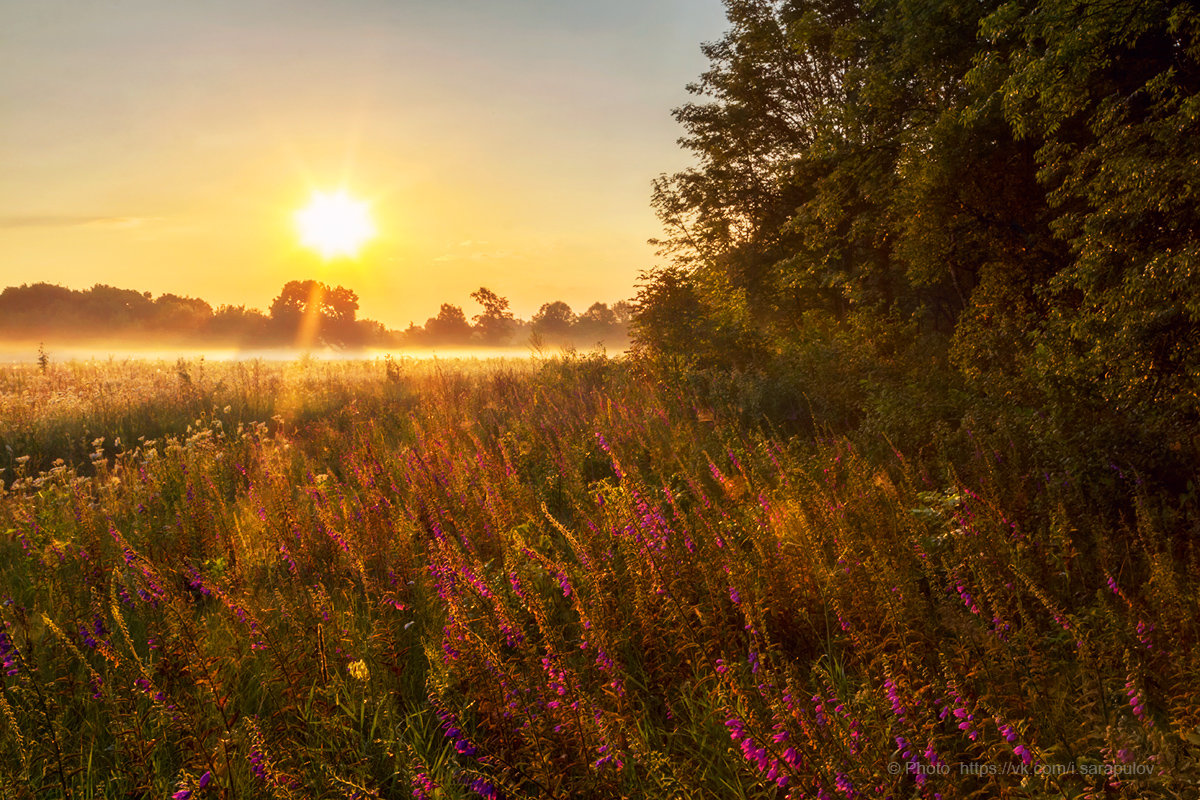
x,y
1144,629
960,586
958,709
758,756
912,763
1010,735
606,758
452,731
257,764
423,787
819,710
616,465
9,654
1137,703
484,788
898,708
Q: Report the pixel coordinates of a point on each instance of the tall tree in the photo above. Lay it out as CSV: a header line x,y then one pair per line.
x,y
327,313
450,326
495,323
554,320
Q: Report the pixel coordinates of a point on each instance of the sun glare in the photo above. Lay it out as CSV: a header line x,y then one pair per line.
x,y
334,224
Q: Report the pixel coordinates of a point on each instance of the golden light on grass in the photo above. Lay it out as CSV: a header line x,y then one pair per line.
x,y
335,224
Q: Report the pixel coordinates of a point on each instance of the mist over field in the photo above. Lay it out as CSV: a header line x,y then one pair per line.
x,y
28,353
874,473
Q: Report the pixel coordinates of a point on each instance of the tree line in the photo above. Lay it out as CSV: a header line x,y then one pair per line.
x,y
305,313
1004,189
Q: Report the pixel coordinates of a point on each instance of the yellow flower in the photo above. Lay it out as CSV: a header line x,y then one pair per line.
x,y
358,670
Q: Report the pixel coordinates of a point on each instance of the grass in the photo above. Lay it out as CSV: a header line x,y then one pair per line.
x,y
561,578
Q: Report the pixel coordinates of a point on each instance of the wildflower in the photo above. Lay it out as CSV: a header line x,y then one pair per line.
x,y
483,788
358,670
1137,703
8,653
205,780
182,794
423,786
256,765
897,707
1144,630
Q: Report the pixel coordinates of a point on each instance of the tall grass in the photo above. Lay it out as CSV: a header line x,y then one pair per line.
x,y
560,579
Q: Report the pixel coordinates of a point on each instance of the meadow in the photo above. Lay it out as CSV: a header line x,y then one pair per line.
x,y
568,577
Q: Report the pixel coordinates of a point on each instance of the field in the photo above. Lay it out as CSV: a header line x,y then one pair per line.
x,y
564,578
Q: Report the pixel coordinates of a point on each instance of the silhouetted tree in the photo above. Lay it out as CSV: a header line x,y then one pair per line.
x,y
450,326
240,325
331,310
554,320
495,324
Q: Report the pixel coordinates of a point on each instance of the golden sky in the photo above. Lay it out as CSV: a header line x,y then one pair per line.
x,y
164,145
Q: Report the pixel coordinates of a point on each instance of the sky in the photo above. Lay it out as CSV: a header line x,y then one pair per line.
x,y
165,145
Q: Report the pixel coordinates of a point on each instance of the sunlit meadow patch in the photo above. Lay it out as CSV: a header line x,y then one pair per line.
x,y
556,579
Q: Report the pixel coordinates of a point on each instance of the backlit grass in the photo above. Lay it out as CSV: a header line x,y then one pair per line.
x,y
560,579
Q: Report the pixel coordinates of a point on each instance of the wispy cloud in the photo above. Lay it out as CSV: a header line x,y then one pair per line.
x,y
477,255
76,221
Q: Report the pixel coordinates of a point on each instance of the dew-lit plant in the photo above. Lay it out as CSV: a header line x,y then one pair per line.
x,y
557,579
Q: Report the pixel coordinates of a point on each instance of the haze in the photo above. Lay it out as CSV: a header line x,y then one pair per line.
x,y
164,146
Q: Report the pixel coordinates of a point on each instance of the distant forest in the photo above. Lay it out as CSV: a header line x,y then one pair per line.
x,y
306,313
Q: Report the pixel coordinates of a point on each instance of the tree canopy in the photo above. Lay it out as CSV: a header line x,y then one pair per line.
x,y
1016,181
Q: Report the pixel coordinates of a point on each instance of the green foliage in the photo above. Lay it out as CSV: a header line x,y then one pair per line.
x,y
1014,184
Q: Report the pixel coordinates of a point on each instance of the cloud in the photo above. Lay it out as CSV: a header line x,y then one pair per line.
x,y
476,256
75,221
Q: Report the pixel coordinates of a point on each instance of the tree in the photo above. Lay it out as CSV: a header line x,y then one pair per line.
x,y
181,314
670,318
761,108
623,312
601,323
554,320
1108,96
329,311
495,324
450,326
599,315
238,324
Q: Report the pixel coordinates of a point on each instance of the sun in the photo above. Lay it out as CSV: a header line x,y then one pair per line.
x,y
335,224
